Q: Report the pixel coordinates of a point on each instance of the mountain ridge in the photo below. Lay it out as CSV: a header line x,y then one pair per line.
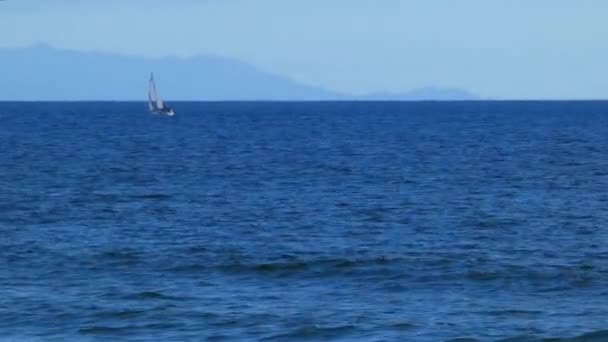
x,y
46,73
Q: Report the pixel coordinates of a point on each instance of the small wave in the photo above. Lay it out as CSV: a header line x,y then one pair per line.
x,y
189,268
116,257
314,333
404,326
220,338
553,277
521,338
101,197
153,196
122,254
21,339
513,313
433,268
287,267
596,336
123,330
324,266
149,295
120,314
161,326
267,267
102,330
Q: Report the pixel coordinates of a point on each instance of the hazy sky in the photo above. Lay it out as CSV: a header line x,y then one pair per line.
x,y
495,48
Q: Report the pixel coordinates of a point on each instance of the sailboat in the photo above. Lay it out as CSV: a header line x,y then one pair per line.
x,y
155,102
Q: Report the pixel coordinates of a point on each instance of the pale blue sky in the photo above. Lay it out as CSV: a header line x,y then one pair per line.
x,y
495,48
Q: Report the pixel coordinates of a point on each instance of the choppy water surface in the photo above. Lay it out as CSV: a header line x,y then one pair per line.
x,y
304,221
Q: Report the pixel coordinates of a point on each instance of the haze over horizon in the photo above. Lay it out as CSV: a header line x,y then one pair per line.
x,y
516,50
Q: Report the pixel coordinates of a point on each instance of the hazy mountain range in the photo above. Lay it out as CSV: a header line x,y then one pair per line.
x,y
45,73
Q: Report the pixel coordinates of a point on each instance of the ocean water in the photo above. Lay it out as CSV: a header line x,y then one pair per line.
x,y
463,221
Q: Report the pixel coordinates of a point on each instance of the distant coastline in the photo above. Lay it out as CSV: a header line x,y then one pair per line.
x,y
67,75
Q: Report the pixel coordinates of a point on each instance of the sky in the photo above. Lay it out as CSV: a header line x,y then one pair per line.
x,y
503,49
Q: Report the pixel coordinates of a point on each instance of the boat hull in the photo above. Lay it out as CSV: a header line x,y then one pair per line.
x,y
166,113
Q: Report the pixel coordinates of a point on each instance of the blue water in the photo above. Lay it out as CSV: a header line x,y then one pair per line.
x,y
304,222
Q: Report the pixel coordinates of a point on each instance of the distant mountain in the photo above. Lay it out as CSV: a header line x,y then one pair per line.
x,y
45,73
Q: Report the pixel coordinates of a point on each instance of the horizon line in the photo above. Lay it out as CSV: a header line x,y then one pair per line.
x,y
299,101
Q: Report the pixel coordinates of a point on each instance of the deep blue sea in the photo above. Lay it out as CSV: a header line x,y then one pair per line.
x,y
422,221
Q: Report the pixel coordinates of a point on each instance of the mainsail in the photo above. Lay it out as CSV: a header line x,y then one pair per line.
x,y
154,98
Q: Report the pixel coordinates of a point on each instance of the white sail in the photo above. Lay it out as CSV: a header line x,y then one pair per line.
x,y
150,101
155,102
154,97
159,102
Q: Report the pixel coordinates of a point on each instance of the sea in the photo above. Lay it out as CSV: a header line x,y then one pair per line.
x,y
304,221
